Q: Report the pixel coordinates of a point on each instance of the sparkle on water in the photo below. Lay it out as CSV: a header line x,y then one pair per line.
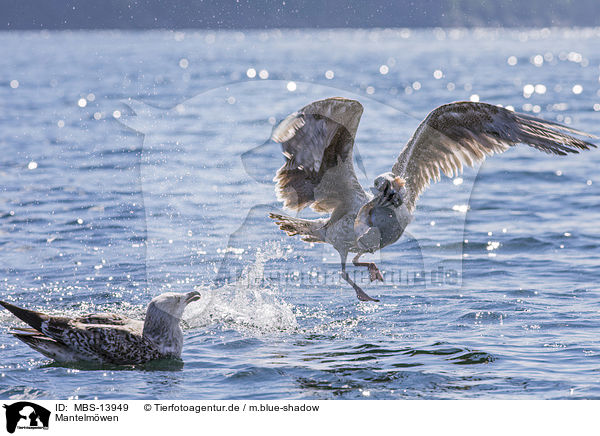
x,y
105,206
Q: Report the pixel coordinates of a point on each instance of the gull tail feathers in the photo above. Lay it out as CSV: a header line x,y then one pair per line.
x,y
309,230
31,317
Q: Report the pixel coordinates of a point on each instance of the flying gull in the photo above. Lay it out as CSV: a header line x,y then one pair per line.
x,y
317,143
108,337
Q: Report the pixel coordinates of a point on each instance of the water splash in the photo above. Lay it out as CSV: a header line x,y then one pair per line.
x,y
248,305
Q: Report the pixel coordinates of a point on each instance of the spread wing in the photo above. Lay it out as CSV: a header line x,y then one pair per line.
x,y
465,133
317,143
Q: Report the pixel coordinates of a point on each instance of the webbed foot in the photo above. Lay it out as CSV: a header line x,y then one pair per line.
x,y
362,296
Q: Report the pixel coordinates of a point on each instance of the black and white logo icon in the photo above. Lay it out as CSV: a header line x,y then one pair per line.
x,y
26,415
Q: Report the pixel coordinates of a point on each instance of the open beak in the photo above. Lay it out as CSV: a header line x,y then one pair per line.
x,y
192,296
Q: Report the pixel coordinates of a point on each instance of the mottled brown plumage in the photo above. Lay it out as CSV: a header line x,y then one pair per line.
x,y
107,338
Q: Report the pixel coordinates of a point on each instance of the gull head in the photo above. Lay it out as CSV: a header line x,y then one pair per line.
x,y
390,188
173,303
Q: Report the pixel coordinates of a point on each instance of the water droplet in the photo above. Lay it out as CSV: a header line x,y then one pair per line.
x,y
291,86
251,73
462,208
528,90
574,57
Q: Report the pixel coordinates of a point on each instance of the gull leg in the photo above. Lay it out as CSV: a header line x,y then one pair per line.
x,y
374,273
360,294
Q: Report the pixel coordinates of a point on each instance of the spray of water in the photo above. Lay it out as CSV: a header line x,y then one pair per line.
x,y
248,304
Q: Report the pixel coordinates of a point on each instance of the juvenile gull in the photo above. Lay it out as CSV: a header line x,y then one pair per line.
x,y
108,337
317,142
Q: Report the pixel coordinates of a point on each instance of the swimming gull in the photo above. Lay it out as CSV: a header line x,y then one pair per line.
x,y
317,143
108,337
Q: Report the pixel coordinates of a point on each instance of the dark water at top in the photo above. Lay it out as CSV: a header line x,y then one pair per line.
x,y
122,177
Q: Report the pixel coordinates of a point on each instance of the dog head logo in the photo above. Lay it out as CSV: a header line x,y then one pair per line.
x,y
26,415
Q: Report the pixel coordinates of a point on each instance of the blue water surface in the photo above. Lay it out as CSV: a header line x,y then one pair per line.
x,y
135,163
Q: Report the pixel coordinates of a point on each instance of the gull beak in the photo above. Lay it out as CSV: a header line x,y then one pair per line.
x,y
192,296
